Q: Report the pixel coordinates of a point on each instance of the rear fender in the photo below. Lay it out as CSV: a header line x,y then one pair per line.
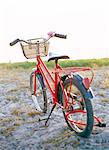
x,y
88,92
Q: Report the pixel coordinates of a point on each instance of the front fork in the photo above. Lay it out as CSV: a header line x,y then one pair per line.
x,y
34,71
35,84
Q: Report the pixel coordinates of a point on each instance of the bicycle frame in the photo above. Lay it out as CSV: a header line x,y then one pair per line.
x,y
54,80
57,78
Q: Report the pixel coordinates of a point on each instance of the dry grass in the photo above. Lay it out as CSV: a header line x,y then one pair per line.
x,y
16,112
62,138
8,130
5,120
105,79
25,109
105,83
8,125
101,93
33,113
104,100
19,111
12,98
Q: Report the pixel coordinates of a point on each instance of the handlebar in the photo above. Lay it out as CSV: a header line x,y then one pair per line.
x,y
53,34
50,35
60,36
14,42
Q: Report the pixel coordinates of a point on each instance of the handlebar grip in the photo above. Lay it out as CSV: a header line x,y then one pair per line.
x,y
14,42
60,36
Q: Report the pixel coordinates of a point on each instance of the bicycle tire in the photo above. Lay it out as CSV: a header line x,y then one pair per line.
x,y
90,119
41,107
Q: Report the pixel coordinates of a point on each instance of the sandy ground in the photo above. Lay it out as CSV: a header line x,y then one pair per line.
x,y
20,128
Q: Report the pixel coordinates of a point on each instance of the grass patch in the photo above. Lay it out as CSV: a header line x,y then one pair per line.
x,y
33,113
62,138
12,98
85,62
24,65
105,84
66,63
105,81
8,125
16,112
101,93
105,100
17,121
6,120
8,131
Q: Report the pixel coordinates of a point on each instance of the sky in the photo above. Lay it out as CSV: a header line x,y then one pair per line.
x,y
86,23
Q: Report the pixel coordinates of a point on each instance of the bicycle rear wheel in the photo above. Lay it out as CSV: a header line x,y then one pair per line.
x,y
40,97
78,111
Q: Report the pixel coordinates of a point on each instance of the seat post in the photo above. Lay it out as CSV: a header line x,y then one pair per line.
x,y
56,62
56,80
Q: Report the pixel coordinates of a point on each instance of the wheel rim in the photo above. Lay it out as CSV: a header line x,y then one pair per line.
x,y
75,111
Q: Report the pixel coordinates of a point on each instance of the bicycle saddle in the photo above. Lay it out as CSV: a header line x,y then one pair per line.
x,y
56,57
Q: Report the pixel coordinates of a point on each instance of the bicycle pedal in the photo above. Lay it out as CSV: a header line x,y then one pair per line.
x,y
43,118
100,124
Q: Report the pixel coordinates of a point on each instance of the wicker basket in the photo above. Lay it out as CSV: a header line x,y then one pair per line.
x,y
35,48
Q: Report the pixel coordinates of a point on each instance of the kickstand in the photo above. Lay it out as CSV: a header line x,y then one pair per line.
x,y
50,114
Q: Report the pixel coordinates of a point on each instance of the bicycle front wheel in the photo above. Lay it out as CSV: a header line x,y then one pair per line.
x,y
40,97
77,110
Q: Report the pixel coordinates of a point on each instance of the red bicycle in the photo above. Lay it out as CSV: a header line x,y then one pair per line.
x,y
69,90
